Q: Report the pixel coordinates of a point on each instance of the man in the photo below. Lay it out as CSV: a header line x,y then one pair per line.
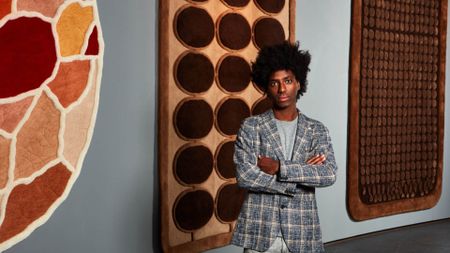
x,y
281,156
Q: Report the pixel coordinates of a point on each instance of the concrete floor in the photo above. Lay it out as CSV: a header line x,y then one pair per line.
x,y
431,237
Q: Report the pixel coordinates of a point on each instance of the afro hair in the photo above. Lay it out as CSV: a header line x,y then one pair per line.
x,y
285,56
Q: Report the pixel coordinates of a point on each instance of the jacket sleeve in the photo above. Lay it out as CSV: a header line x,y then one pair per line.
x,y
248,174
312,175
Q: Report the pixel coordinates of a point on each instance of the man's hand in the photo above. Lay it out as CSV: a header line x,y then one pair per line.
x,y
316,160
268,165
271,166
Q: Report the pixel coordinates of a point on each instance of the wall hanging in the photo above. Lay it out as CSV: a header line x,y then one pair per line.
x,y
396,118
204,93
50,69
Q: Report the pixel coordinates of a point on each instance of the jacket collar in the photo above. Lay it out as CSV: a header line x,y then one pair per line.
x,y
268,124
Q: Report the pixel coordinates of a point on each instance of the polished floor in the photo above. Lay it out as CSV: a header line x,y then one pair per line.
x,y
431,237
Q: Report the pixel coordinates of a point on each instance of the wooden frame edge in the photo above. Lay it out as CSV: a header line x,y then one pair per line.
x,y
163,80
292,12
353,121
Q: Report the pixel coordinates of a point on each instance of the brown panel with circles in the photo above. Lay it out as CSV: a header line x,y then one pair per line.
x,y
396,117
206,48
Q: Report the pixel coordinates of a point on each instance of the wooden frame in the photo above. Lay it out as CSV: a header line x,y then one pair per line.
x,y
395,41
215,233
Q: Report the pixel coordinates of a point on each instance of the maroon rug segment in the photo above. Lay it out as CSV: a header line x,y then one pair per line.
x,y
28,55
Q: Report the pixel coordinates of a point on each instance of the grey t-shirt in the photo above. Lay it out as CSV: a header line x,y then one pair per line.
x,y
287,131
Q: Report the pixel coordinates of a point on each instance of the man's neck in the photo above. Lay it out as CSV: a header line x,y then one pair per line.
x,y
285,114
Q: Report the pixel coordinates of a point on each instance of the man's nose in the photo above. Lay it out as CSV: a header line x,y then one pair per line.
x,y
281,88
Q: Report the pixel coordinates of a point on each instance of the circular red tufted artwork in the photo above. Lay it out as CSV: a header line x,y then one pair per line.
x,y
50,69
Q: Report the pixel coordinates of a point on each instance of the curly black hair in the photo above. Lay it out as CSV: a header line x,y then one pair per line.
x,y
285,56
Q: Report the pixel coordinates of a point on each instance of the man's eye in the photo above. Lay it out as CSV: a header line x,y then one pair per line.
x,y
273,83
288,81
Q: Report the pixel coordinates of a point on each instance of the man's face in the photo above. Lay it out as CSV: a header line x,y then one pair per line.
x,y
283,88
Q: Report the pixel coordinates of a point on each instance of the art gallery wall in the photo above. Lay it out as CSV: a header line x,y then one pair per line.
x,y
113,206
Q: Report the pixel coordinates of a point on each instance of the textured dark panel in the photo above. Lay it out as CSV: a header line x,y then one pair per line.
x,y
230,113
267,32
193,119
396,109
229,202
194,72
194,164
234,31
224,160
270,6
195,27
234,73
193,209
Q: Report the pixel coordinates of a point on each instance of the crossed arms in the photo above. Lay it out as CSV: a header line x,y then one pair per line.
x,y
266,174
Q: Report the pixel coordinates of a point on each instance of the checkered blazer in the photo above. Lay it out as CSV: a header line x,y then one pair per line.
x,y
285,202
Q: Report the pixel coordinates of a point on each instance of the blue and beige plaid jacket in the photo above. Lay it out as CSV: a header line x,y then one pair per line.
x,y
285,202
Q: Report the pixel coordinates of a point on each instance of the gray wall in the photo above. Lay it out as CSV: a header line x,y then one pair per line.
x,y
113,205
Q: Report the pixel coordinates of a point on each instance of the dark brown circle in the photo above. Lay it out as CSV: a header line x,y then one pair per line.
x,y
263,104
193,164
229,201
194,72
236,3
234,73
194,27
230,114
193,209
224,160
234,31
270,6
268,32
193,118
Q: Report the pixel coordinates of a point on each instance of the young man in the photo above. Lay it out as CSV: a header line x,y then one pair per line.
x,y
281,156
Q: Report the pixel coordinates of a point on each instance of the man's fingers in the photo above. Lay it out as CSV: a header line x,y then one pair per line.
x,y
318,159
312,159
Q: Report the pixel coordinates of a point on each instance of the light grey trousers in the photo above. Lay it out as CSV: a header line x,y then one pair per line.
x,y
278,246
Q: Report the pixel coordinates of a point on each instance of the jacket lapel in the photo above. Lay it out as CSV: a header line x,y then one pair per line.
x,y
302,137
269,129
